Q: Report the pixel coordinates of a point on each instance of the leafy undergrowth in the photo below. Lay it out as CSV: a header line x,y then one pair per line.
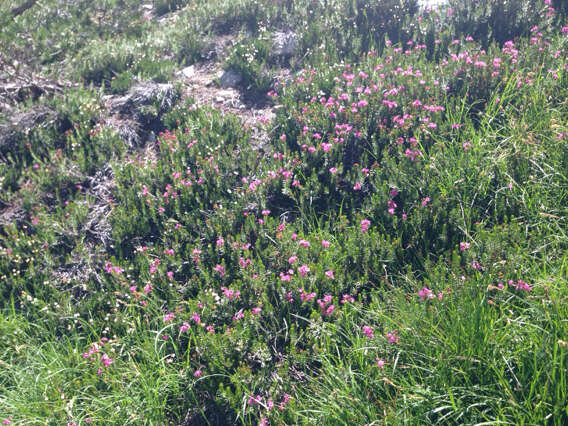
x,y
396,253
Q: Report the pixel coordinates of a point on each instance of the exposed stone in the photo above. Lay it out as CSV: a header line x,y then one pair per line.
x,y
230,78
187,72
284,44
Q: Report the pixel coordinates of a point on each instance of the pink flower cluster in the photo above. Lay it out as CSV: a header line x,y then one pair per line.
x,y
368,331
427,294
323,304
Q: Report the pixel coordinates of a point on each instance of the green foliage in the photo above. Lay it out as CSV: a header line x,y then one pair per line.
x,y
391,249
493,21
122,82
250,61
165,6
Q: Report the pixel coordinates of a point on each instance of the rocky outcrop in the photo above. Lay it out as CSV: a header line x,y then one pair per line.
x,y
137,115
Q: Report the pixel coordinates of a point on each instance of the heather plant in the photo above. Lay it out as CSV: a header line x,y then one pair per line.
x,y
393,250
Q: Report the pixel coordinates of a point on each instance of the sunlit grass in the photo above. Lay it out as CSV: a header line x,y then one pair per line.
x,y
394,252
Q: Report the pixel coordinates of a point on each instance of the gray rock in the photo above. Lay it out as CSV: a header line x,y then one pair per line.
x,y
230,78
187,72
284,44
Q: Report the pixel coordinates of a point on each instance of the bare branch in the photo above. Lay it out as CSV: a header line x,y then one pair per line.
x,y
18,10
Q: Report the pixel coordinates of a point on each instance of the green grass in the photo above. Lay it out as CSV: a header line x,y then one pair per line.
x,y
394,253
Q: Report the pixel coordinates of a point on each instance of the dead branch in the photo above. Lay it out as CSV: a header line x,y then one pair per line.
x,y
18,10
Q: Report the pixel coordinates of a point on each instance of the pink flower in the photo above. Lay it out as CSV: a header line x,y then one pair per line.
x,y
265,212
329,310
292,259
304,243
303,270
106,360
239,315
329,274
333,170
368,331
196,318
170,274
169,317
357,186
254,400
425,201
323,303
425,293
230,294
464,246
184,327
220,242
521,285
392,337
365,225
380,363
285,401
197,373
256,310
305,297
220,269
325,243
347,298
412,154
